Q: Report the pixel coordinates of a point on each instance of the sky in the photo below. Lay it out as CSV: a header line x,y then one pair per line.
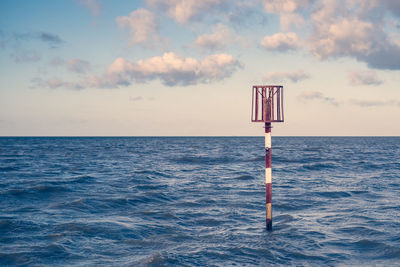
x,y
186,67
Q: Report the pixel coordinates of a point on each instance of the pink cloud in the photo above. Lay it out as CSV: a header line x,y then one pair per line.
x,y
221,37
142,25
281,42
170,69
184,11
364,78
315,95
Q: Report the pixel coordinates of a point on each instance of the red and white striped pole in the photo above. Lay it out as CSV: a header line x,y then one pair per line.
x,y
268,176
267,107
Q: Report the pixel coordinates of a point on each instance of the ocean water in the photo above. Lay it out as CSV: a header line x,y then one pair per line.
x,y
199,201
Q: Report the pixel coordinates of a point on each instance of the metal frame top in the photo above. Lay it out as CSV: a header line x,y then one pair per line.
x,y
267,103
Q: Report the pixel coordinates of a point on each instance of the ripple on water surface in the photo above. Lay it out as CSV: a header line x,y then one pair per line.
x,y
120,202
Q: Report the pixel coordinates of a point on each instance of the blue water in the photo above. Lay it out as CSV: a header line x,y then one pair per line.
x,y
185,201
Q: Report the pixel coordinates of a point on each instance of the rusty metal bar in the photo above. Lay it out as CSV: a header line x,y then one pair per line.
x,y
252,103
278,107
262,106
283,118
271,96
256,111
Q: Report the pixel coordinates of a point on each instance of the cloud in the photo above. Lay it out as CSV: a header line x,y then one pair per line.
x,y
392,6
355,31
135,98
288,11
142,25
78,65
218,40
288,19
174,70
387,56
54,83
346,36
281,41
375,103
184,11
294,76
364,78
314,95
26,56
52,39
49,38
280,6
169,68
92,5
245,14
73,64
359,29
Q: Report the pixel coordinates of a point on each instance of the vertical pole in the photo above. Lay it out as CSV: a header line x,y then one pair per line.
x,y
268,176
256,110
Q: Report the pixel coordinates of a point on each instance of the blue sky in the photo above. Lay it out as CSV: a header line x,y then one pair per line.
x,y
174,67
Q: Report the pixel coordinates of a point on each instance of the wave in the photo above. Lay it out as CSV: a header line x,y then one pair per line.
x,y
117,201
203,160
8,168
332,194
37,191
152,173
319,166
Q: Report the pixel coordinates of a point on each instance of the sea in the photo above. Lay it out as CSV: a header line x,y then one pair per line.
x,y
199,201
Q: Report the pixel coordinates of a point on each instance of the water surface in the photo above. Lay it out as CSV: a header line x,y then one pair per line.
x,y
184,201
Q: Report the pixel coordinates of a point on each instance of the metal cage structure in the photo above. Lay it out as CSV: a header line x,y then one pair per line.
x,y
267,103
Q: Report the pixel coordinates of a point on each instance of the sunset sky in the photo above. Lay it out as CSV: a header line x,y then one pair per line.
x,y
186,67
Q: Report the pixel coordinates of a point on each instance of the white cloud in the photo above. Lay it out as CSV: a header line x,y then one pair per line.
x,y
174,70
353,28
169,68
294,76
92,5
142,25
340,28
344,37
288,11
285,6
364,78
281,41
184,11
315,95
280,6
218,40
288,19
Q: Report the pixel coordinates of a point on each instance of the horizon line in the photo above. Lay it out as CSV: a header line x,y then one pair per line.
x,y
12,136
